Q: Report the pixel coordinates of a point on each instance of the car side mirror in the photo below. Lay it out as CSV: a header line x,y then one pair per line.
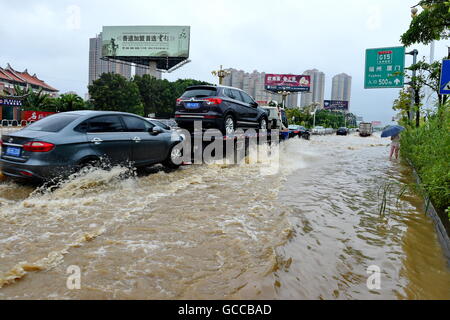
x,y
156,130
254,104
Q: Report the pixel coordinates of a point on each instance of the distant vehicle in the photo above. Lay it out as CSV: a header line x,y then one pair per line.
x,y
318,130
329,130
60,144
343,131
298,131
220,107
365,129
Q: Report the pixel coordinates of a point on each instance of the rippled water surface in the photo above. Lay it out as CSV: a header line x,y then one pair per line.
x,y
227,232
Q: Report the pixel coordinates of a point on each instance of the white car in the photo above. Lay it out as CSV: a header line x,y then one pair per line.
x,y
318,130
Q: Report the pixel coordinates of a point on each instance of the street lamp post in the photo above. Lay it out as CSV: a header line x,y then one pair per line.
x,y
316,105
221,74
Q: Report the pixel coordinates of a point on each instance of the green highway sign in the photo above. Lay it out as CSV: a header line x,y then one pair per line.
x,y
385,68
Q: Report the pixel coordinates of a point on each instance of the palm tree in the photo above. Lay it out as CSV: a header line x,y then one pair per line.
x,y
70,102
33,100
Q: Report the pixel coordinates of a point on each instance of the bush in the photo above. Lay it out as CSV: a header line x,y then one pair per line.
x,y
428,148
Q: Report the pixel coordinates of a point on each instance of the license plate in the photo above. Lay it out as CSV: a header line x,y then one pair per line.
x,y
192,105
12,151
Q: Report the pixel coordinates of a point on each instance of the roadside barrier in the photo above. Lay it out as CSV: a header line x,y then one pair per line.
x,y
15,123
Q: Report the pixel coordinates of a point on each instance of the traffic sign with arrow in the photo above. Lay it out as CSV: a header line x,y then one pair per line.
x,y
385,68
444,87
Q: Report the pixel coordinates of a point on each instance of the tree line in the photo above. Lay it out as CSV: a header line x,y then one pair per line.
x,y
324,118
142,95
426,142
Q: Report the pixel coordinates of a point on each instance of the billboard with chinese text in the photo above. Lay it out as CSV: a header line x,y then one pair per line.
x,y
145,41
337,105
34,115
288,82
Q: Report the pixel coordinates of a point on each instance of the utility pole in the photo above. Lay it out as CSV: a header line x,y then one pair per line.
x,y
414,94
221,74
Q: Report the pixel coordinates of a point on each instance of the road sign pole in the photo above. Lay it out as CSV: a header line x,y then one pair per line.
x,y
414,53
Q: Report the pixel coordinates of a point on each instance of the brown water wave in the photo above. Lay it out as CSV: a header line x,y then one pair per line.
x,y
225,231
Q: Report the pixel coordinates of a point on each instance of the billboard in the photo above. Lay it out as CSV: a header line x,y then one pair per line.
x,y
10,102
339,105
34,115
288,82
377,124
145,41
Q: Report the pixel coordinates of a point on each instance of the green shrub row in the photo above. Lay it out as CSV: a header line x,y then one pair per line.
x,y
428,148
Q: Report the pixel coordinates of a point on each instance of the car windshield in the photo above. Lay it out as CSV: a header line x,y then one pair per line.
x,y
293,127
200,93
53,123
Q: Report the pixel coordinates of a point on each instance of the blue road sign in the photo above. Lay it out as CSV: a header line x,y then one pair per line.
x,y
444,86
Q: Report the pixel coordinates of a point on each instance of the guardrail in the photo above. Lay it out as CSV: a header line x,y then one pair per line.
x,y
15,123
9,126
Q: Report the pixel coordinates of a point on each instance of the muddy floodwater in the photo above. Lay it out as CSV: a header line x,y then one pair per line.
x,y
228,231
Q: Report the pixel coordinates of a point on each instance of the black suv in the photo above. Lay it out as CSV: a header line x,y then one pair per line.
x,y
220,107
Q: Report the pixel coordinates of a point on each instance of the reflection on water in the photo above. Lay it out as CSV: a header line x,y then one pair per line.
x,y
220,232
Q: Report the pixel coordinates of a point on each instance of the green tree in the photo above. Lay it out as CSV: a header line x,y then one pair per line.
x,y
159,96
113,92
70,102
34,100
155,94
403,104
431,24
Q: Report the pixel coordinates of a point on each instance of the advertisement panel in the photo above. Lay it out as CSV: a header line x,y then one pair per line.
x,y
34,115
338,105
145,41
10,102
288,82
377,123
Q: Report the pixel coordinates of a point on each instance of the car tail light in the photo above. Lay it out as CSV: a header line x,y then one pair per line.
x,y
213,101
38,146
26,173
179,102
210,117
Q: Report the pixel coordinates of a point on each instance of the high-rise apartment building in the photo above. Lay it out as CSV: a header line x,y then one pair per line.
x,y
317,93
341,87
97,66
292,100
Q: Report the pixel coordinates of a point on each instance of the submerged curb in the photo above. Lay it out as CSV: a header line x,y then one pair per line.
x,y
443,237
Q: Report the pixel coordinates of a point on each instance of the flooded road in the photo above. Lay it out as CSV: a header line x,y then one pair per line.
x,y
227,232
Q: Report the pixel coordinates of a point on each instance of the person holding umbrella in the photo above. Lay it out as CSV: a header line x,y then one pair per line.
x,y
395,146
394,133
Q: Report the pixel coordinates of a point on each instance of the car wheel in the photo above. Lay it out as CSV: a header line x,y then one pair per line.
x,y
228,125
173,159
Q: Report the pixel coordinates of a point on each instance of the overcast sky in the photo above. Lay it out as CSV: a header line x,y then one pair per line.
x,y
51,38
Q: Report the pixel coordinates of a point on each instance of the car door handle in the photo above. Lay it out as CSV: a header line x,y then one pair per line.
x,y
137,139
97,140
